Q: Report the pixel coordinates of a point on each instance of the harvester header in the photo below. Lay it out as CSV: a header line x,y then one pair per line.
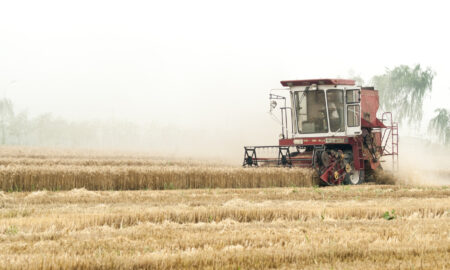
x,y
330,125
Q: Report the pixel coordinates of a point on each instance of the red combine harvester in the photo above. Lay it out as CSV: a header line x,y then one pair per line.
x,y
333,128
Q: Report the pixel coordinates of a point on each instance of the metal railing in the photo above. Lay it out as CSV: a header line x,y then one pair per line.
x,y
390,139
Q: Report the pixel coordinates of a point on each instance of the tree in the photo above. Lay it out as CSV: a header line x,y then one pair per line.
x,y
6,114
403,89
18,128
356,77
440,125
42,126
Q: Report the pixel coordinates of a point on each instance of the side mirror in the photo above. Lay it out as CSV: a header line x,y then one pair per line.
x,y
273,104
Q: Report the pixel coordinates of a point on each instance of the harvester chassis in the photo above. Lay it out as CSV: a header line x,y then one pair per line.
x,y
334,129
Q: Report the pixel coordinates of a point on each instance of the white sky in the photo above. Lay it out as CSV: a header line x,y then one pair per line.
x,y
205,63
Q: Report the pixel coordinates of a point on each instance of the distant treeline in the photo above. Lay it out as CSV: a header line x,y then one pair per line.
x,y
47,130
152,138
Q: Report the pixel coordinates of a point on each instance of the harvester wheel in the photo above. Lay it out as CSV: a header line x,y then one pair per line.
x,y
354,177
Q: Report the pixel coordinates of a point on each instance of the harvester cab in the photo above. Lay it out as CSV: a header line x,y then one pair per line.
x,y
331,126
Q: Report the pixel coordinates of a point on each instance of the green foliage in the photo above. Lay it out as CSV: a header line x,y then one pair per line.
x,y
12,230
389,216
440,125
402,91
169,186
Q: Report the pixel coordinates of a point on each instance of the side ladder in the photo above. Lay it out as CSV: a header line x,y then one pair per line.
x,y
395,146
390,138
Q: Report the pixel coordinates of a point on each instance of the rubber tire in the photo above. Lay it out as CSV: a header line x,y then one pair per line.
x,y
347,180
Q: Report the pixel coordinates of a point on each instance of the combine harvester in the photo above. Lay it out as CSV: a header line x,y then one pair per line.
x,y
333,128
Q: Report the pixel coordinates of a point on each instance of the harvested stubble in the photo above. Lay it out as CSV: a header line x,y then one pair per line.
x,y
28,178
332,228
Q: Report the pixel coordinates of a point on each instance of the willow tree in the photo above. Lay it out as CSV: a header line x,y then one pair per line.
x,y
440,125
402,91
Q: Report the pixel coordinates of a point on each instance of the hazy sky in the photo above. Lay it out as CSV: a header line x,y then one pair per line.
x,y
210,63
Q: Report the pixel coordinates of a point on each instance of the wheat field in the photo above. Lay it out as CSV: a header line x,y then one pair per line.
x,y
78,210
364,227
23,169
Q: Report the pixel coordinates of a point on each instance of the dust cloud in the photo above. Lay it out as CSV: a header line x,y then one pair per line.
x,y
422,162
